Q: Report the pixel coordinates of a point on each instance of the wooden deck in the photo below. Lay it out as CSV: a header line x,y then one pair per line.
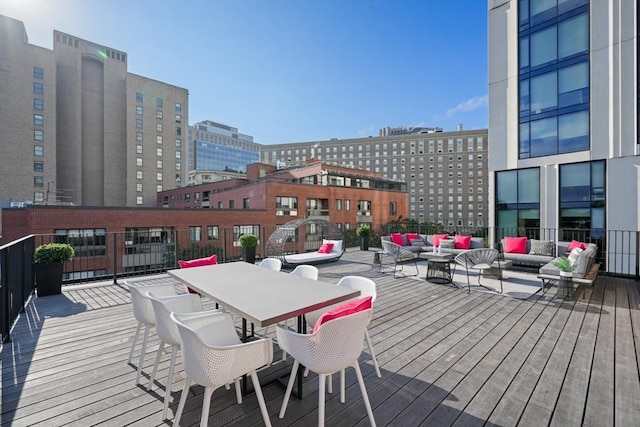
x,y
447,358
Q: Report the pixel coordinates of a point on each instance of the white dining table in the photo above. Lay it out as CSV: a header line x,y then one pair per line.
x,y
261,296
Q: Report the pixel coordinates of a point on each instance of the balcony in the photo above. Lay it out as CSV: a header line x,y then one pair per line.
x,y
447,358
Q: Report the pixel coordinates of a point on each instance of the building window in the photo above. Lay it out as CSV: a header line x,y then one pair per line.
x,y
178,142
232,204
393,208
138,136
138,110
38,88
38,120
195,233
178,118
38,166
139,123
158,164
364,207
159,127
158,139
139,200
159,102
159,188
287,206
38,135
347,205
139,187
212,232
38,104
38,181
178,154
338,204
239,230
85,242
138,174
139,161
554,89
517,201
582,199
178,166
159,176
245,203
159,114
139,97
220,205
38,73
178,131
187,198
178,107
38,150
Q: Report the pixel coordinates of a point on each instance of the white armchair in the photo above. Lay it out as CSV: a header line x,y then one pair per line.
x,y
271,263
143,312
213,356
335,346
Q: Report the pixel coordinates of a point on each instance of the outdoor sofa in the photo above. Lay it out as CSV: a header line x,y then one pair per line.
x,y
451,244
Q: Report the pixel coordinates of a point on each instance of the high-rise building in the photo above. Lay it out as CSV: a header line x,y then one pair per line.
x,y
563,117
445,172
217,151
77,128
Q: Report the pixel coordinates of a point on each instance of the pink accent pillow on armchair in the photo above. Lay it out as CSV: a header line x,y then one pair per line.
x,y
350,307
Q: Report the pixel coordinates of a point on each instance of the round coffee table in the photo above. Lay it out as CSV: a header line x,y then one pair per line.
x,y
439,271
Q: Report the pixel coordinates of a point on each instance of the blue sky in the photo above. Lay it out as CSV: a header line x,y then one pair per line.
x,y
294,70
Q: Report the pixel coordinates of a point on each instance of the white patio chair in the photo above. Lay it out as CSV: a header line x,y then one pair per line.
x,y
271,263
335,346
479,260
400,257
168,334
213,356
143,312
367,287
308,272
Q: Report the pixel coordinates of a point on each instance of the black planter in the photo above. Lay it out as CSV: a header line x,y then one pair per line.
x,y
48,278
364,243
249,255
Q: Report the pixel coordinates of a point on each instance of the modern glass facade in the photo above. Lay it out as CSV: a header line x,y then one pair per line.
x,y
554,88
583,197
517,201
214,156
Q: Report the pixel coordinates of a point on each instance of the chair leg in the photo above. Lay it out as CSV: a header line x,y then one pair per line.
x,y
322,379
238,391
373,355
329,383
468,282
342,394
155,366
167,389
135,341
365,396
206,404
287,394
258,391
183,400
142,352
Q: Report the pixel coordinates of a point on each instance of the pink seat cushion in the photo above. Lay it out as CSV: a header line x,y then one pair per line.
x,y
212,260
515,245
350,307
326,248
576,244
438,237
462,242
397,239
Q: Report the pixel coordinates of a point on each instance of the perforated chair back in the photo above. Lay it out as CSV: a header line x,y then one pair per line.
x,y
306,271
166,328
366,286
271,263
142,308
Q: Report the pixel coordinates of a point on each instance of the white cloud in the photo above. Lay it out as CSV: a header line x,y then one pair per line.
x,y
470,104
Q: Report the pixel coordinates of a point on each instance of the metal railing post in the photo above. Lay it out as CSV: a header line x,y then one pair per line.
x,y
115,259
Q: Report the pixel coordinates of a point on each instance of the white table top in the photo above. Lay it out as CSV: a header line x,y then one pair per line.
x,y
262,296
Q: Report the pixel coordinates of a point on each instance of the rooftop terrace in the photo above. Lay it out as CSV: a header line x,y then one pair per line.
x,y
447,358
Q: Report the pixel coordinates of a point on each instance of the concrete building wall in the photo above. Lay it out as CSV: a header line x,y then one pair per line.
x,y
27,164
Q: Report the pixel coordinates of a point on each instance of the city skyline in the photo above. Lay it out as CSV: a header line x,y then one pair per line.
x,y
286,71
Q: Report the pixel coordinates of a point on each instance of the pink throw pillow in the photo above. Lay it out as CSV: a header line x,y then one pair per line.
x,y
397,239
438,237
326,248
462,242
576,244
515,245
412,236
212,260
350,307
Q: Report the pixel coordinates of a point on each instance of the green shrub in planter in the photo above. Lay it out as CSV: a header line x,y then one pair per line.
x,y
53,252
249,243
563,264
363,231
48,266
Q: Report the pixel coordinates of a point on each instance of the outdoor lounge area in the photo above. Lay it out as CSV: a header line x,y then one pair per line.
x,y
446,356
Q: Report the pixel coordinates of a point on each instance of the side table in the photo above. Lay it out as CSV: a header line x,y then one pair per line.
x,y
565,287
439,271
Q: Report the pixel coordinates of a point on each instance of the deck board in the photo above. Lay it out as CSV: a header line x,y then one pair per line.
x,y
447,358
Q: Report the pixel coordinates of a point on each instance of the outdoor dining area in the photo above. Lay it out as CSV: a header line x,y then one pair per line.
x,y
404,351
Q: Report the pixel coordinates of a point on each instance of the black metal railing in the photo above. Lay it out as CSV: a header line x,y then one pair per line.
x,y
16,281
